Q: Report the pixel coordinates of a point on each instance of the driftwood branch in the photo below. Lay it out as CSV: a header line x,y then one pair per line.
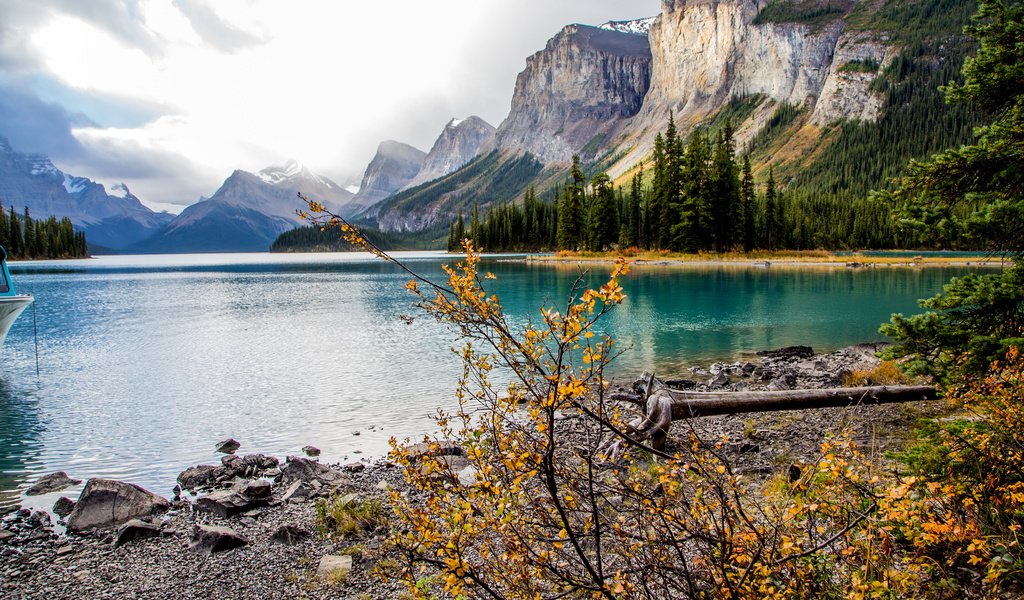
x,y
663,405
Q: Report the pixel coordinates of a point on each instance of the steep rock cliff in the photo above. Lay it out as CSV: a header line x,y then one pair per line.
x,y
576,93
459,142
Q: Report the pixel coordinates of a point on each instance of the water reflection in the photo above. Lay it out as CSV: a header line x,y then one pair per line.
x,y
20,440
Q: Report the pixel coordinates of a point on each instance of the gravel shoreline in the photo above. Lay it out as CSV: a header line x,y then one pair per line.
x,y
38,562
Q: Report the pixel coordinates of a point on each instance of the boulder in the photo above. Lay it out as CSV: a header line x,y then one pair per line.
x,y
303,469
260,461
106,503
719,381
228,446
54,482
311,450
198,476
228,503
258,491
334,568
290,535
63,506
210,538
136,529
354,467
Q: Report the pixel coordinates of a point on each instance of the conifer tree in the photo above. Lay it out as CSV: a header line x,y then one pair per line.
x,y
747,199
771,212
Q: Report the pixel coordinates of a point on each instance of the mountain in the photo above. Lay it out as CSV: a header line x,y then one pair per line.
x,y
392,168
801,82
247,212
112,220
577,93
459,142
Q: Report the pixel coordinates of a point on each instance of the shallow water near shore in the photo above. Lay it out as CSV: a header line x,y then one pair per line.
x,y
146,361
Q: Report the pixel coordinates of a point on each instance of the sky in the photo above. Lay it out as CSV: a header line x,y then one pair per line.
x,y
171,96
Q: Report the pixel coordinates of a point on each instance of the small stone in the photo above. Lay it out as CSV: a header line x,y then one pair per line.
x,y
135,529
334,568
40,518
290,535
354,467
383,485
63,506
65,550
311,450
5,535
356,433
228,446
54,482
719,381
210,538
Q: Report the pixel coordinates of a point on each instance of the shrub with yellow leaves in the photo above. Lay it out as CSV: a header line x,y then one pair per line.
x,y
542,511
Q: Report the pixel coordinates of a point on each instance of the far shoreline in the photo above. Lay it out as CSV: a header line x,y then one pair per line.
x,y
810,259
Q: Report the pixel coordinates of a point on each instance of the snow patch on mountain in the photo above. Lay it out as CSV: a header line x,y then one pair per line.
x,y
73,185
635,27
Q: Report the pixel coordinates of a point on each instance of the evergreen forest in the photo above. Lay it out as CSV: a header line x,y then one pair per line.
x,y
27,238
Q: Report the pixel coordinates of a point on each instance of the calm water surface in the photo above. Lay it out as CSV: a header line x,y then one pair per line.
x,y
146,361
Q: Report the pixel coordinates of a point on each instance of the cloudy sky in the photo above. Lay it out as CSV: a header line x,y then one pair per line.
x,y
170,96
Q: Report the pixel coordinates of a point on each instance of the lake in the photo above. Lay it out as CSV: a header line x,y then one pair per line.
x,y
145,362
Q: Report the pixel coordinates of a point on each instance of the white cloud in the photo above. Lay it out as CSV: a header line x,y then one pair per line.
x,y
321,81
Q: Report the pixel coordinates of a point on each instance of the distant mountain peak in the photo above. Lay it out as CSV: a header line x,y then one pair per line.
x,y
120,190
635,26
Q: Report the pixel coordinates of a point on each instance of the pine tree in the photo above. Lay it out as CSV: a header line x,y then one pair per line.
x,y
771,211
747,199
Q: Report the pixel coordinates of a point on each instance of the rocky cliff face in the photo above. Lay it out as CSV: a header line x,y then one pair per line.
x,y
459,143
394,166
706,51
576,93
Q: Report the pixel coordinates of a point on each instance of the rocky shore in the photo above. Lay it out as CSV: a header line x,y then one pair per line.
x,y
248,528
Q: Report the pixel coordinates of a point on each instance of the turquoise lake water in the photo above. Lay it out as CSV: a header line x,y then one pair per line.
x,y
146,361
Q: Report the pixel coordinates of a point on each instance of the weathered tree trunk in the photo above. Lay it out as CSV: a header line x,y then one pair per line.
x,y
664,405
687,405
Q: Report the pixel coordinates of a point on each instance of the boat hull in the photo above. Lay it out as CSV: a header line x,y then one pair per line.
x,y
10,308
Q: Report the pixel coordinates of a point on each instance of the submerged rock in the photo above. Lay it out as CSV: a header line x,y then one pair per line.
x,y
311,451
228,446
106,503
198,476
54,482
788,352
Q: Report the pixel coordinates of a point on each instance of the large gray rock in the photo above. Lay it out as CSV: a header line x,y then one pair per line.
x,y
303,469
210,538
106,503
54,482
136,529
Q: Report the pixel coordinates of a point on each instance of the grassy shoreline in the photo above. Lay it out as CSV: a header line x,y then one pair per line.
x,y
809,258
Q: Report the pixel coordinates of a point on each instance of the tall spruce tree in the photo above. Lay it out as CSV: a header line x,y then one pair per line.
x,y
771,212
747,201
977,189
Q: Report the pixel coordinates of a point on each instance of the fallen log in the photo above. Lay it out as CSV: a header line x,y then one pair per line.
x,y
689,405
663,405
